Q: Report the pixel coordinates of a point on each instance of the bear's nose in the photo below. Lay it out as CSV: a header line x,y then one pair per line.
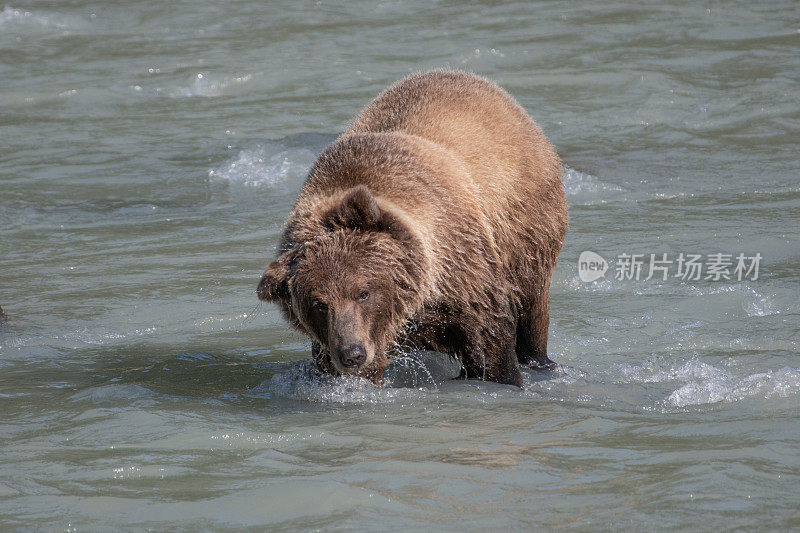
x,y
353,355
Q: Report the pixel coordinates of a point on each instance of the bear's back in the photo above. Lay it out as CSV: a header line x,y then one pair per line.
x,y
506,152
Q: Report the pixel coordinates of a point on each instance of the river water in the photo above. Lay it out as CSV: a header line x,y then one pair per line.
x,y
149,153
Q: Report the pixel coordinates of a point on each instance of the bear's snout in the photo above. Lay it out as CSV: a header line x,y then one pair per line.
x,y
353,355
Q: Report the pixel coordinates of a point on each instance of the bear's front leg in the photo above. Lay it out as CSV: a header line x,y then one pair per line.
x,y
504,367
483,337
491,358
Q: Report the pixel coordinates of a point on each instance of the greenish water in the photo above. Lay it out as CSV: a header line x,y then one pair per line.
x,y
149,153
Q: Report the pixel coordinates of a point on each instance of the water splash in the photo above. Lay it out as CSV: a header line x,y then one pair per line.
x,y
584,189
256,167
755,304
408,375
22,21
728,388
701,383
422,368
204,85
408,371
303,381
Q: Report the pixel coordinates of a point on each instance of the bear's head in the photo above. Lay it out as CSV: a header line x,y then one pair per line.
x,y
353,286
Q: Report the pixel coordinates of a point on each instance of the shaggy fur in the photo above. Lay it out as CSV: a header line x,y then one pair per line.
x,y
434,221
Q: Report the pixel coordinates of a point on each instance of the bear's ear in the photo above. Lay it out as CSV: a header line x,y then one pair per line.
x,y
358,209
274,284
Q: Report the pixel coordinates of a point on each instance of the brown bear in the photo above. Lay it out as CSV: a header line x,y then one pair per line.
x,y
433,222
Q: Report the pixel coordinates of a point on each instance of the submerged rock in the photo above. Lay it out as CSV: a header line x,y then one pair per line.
x,y
420,368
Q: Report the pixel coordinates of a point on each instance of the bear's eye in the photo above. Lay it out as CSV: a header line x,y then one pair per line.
x,y
363,295
320,307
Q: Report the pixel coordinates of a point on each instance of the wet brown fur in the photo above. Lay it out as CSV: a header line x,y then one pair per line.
x,y
443,199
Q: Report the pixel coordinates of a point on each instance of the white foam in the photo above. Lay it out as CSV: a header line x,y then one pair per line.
x,y
755,304
256,441
604,284
99,337
207,86
255,167
9,14
701,383
585,189
727,388
655,371
21,20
